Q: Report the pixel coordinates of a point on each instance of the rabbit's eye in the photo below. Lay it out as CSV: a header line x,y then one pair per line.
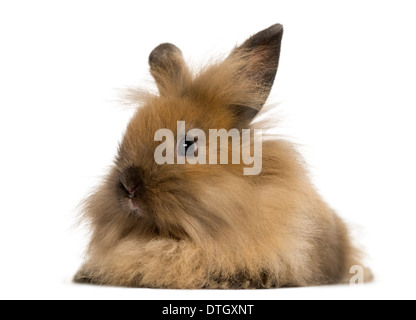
x,y
188,148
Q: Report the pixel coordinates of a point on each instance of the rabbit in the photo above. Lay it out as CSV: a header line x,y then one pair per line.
x,y
210,226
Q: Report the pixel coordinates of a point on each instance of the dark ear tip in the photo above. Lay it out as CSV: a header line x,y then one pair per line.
x,y
277,28
274,32
163,50
269,36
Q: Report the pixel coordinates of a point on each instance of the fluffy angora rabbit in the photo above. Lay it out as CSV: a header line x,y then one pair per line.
x,y
212,225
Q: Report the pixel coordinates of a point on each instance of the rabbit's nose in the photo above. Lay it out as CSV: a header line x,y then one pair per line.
x,y
133,190
133,181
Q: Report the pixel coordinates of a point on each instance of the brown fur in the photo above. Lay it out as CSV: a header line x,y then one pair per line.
x,y
208,226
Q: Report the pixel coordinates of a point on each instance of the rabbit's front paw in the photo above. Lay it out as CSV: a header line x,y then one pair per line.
x,y
84,277
242,280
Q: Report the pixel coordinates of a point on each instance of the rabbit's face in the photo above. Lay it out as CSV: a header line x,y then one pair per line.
x,y
184,200
176,198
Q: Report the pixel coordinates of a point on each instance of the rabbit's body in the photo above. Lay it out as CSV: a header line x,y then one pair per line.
x,y
209,226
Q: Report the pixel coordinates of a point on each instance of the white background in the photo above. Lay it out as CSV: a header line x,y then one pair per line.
x,y
346,88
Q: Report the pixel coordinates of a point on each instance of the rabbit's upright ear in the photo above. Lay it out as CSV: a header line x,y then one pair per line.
x,y
257,60
168,68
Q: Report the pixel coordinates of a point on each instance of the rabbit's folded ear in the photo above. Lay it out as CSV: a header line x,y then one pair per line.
x,y
257,60
168,68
